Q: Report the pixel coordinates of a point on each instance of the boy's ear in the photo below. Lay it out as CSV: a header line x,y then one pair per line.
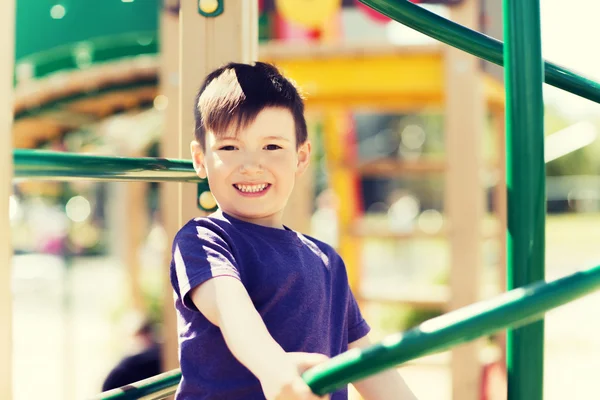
x,y
198,159
303,157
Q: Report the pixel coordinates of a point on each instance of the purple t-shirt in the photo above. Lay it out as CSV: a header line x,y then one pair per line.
x,y
298,285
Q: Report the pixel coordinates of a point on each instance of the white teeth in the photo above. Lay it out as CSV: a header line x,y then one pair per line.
x,y
251,188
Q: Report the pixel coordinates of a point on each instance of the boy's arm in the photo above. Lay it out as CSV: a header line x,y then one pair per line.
x,y
225,302
387,385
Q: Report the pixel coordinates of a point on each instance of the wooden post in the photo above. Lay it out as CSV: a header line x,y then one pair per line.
x,y
7,39
135,220
203,45
170,205
298,212
464,196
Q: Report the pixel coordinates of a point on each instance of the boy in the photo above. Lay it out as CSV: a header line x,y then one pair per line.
x,y
258,303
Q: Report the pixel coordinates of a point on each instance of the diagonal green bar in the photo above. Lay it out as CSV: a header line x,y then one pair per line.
x,y
155,388
480,45
515,308
58,166
525,183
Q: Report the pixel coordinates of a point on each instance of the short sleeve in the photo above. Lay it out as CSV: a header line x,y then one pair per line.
x,y
357,326
199,254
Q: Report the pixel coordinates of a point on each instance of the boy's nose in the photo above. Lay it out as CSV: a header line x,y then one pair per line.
x,y
251,166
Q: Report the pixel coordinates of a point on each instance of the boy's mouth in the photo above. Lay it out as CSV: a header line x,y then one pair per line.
x,y
252,189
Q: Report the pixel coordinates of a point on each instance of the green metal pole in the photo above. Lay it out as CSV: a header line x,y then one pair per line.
x,y
59,166
154,388
511,309
515,308
432,25
526,187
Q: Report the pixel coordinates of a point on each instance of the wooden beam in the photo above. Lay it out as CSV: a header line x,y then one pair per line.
x,y
170,206
199,46
464,194
135,221
7,43
36,93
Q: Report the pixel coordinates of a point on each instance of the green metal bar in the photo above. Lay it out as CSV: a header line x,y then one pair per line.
x,y
57,166
514,308
155,388
526,186
480,45
511,309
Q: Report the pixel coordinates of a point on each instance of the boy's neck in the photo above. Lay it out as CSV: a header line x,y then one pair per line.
x,y
274,221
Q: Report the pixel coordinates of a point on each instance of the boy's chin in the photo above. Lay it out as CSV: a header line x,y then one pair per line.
x,y
254,213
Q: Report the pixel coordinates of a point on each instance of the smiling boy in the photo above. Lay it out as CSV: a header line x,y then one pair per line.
x,y
258,303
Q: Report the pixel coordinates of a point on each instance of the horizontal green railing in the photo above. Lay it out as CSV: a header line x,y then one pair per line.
x,y
512,309
480,45
58,166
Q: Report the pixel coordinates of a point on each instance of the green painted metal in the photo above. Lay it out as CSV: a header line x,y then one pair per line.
x,y
82,20
155,388
514,308
526,186
60,166
480,45
57,166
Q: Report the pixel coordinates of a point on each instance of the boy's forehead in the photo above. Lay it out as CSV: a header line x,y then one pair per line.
x,y
269,123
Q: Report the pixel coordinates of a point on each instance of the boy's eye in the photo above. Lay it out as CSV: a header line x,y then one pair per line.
x,y
227,148
272,147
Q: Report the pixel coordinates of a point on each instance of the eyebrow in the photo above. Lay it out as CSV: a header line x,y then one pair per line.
x,y
277,138
272,137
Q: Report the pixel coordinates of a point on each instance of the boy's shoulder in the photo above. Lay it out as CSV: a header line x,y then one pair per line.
x,y
319,243
205,227
324,248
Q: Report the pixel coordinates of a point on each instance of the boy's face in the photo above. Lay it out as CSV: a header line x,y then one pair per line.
x,y
252,174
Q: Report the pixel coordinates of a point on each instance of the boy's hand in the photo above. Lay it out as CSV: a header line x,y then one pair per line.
x,y
287,384
305,361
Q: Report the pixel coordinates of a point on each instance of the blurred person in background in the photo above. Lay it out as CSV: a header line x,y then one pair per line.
x,y
144,362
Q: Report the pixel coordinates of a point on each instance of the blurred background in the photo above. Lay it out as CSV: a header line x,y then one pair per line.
x,y
89,260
